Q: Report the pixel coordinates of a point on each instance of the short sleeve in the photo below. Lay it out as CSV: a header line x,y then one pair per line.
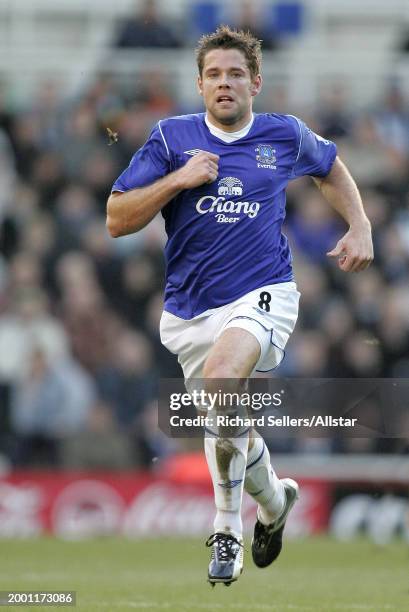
x,y
150,163
315,155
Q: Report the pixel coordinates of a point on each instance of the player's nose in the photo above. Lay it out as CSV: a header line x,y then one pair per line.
x,y
224,81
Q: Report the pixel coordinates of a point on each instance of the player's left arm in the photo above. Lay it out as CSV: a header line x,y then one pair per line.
x,y
355,249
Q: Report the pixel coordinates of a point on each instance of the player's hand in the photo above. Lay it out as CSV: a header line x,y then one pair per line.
x,y
354,250
200,169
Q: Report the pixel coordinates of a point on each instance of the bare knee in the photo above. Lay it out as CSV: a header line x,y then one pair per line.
x,y
233,356
220,376
217,367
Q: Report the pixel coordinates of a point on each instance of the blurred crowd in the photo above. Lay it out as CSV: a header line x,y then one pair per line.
x,y
80,355
146,27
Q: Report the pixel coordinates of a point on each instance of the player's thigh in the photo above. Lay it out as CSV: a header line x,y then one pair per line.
x,y
190,340
233,355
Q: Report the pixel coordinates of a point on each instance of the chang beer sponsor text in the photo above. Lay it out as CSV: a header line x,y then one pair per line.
x,y
223,206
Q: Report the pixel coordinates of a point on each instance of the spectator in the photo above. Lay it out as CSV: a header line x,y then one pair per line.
x,y
82,139
89,322
145,29
51,401
25,141
333,116
28,324
391,120
47,176
362,356
313,227
313,286
127,383
75,209
25,272
393,327
307,356
8,184
108,266
250,17
48,112
139,281
99,445
7,174
366,298
6,115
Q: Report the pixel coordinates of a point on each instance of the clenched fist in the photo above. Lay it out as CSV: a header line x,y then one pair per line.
x,y
200,169
355,250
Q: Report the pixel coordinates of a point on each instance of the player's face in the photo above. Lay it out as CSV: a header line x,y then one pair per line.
x,y
228,88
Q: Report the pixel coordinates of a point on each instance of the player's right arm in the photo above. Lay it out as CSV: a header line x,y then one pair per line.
x,y
130,211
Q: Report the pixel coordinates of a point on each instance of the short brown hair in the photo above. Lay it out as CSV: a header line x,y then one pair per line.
x,y
226,38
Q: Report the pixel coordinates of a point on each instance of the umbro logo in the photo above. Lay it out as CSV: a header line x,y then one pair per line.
x,y
230,484
193,152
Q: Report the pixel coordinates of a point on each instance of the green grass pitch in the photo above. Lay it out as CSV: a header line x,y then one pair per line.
x,y
316,574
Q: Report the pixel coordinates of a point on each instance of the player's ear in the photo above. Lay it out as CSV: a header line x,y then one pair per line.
x,y
199,85
256,85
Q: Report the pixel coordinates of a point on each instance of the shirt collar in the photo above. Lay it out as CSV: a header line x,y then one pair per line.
x,y
229,136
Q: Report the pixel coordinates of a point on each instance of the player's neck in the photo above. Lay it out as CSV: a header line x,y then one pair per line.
x,y
231,129
228,136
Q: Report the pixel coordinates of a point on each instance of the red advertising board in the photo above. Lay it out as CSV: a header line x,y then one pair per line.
x,y
132,504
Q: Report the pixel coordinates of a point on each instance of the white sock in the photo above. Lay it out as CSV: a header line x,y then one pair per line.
x,y
262,483
226,459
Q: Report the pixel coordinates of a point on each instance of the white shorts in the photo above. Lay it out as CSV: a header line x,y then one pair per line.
x,y
269,313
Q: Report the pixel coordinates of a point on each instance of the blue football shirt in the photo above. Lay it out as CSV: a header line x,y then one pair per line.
x,y
225,239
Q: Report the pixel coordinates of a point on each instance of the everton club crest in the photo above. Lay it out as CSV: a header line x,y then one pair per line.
x,y
265,156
